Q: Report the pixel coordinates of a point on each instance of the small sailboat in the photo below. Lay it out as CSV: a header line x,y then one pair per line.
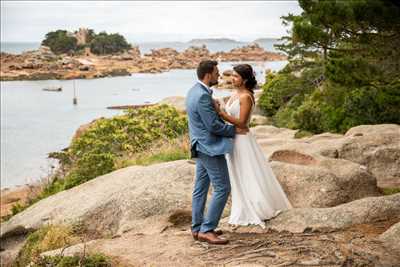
x,y
53,89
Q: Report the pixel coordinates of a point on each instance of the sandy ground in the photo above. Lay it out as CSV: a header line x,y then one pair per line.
x,y
252,246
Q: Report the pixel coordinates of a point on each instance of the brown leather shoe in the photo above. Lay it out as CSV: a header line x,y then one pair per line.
x,y
212,238
195,235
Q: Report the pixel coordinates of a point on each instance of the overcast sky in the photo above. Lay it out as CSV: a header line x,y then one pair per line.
x,y
147,20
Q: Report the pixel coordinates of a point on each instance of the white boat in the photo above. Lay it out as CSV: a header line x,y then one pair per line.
x,y
53,88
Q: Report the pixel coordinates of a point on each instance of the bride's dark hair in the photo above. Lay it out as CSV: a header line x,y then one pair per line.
x,y
246,72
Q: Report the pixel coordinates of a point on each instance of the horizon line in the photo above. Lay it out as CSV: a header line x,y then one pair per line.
x,y
168,41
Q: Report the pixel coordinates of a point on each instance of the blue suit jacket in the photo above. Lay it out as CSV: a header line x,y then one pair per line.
x,y
207,131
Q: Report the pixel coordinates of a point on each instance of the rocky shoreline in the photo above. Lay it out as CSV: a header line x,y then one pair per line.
x,y
42,64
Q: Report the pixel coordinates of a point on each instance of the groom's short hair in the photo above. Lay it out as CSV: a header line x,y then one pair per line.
x,y
205,66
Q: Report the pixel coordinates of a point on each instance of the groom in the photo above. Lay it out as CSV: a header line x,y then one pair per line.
x,y
210,139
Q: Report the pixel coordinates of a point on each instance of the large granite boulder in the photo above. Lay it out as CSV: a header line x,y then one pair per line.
x,y
378,148
320,182
391,238
111,203
366,210
375,148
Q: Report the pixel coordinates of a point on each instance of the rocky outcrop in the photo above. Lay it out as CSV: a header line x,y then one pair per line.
x,y
332,182
10,248
251,52
20,194
380,153
134,52
26,66
374,148
196,53
169,53
272,132
391,238
114,202
43,53
190,58
362,211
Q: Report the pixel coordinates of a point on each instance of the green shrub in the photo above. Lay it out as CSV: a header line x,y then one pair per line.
x,y
277,92
390,191
370,105
281,88
60,42
98,150
161,157
104,43
16,208
47,238
284,116
308,116
92,260
302,134
160,151
331,107
356,45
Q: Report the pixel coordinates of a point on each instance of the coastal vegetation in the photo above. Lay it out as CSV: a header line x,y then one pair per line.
x,y
138,137
51,237
104,43
103,144
62,41
92,260
343,67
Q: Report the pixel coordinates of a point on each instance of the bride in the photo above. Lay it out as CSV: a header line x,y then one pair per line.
x,y
256,193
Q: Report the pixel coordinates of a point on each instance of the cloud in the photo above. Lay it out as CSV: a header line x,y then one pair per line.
x,y
145,20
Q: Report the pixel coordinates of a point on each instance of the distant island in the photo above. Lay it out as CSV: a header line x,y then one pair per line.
x,y
228,40
261,40
213,40
85,41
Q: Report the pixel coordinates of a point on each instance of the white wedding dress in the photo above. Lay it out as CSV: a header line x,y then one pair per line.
x,y
256,192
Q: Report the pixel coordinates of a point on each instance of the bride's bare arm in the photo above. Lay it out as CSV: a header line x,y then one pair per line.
x,y
245,110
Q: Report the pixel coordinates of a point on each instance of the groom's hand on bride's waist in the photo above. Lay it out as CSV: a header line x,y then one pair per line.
x,y
242,130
